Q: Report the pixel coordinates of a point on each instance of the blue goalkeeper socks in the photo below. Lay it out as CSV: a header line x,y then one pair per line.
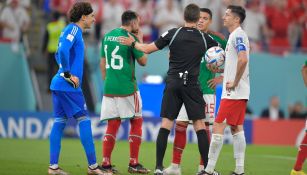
x,y
87,139
55,139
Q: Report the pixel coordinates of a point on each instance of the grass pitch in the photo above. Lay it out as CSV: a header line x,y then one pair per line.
x,y
31,157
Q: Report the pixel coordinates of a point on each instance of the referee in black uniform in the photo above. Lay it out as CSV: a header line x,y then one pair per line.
x,y
187,46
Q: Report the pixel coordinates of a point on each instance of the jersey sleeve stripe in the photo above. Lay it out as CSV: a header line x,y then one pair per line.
x,y
74,31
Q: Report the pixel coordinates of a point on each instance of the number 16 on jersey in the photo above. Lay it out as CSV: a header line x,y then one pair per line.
x,y
117,61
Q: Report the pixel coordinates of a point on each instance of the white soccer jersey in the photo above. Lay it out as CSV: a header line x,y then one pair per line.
x,y
237,38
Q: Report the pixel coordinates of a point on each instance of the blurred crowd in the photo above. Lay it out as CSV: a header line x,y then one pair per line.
x,y
277,26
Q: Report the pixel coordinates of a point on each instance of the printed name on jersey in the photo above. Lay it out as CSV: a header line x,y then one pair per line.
x,y
112,38
165,33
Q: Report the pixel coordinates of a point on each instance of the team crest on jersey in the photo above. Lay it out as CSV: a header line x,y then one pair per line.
x,y
239,40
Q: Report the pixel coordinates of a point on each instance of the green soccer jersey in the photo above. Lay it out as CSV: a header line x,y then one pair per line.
x,y
205,74
120,64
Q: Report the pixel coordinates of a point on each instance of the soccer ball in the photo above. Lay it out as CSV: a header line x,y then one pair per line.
x,y
215,56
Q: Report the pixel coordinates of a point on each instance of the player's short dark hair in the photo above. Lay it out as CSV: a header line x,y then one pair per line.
x,y
239,11
206,10
191,13
79,9
128,16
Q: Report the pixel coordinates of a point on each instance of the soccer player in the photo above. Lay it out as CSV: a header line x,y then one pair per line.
x,y
236,90
122,98
187,46
206,79
302,153
68,99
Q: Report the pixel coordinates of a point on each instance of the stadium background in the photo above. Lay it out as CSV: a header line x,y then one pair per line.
x,y
275,65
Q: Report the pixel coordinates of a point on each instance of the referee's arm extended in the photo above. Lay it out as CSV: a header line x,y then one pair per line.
x,y
146,48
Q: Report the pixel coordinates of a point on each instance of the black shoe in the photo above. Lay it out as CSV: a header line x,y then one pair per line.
x,y
109,168
203,172
233,173
137,169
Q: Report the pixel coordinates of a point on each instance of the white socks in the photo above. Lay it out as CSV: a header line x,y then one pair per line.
x,y
214,151
174,165
239,145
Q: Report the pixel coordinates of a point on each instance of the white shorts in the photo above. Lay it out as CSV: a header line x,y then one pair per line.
x,y
209,109
121,107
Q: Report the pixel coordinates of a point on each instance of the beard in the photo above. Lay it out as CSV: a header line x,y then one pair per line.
x,y
135,31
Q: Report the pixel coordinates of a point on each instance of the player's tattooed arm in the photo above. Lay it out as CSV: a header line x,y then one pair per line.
x,y
214,69
214,81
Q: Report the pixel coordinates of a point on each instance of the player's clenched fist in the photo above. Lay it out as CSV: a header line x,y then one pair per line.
x,y
73,80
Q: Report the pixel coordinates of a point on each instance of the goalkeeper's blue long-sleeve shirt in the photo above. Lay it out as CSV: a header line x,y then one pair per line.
x,y
70,58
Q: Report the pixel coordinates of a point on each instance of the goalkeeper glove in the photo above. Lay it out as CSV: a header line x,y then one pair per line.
x,y
73,80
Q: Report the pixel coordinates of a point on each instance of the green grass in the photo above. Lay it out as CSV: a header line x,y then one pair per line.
x,y
31,157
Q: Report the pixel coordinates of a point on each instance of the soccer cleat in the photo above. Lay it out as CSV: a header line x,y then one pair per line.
x,y
173,169
293,172
109,168
233,173
158,172
137,169
203,172
57,171
97,171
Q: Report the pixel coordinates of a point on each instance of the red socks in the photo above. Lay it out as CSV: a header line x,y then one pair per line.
x,y
302,154
135,139
109,140
179,142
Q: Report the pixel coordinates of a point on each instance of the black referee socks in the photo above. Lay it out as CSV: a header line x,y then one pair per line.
x,y
161,147
203,145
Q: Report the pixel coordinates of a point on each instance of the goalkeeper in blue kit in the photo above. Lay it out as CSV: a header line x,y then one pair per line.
x,y
67,96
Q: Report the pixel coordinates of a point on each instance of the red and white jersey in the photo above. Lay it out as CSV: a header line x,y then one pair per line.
x,y
237,42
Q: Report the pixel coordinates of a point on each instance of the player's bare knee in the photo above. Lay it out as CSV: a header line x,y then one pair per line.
x,y
198,125
218,128
167,123
236,128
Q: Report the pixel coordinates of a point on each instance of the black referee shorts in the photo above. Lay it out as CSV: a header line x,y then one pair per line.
x,y
176,93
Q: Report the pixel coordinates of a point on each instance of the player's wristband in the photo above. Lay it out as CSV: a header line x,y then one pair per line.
x,y
133,44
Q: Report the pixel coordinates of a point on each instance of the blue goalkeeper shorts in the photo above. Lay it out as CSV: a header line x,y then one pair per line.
x,y
68,104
